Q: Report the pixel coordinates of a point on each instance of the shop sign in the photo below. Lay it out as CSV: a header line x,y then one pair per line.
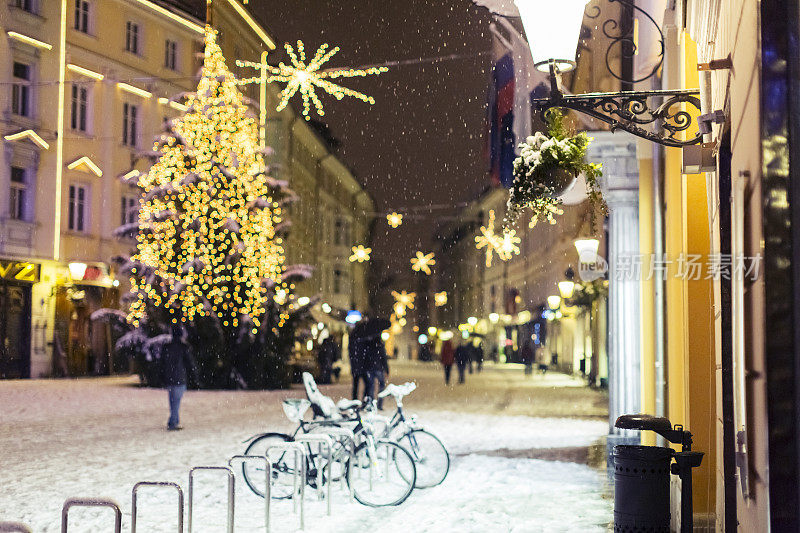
x,y
19,271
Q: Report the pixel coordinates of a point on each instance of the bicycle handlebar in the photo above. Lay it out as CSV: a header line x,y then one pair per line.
x,y
398,391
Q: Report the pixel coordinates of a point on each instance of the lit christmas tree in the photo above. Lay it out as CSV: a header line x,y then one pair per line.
x,y
210,240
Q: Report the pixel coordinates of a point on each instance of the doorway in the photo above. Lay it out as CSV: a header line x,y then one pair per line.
x,y
15,330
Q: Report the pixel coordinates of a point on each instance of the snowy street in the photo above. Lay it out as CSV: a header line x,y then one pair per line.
x,y
510,440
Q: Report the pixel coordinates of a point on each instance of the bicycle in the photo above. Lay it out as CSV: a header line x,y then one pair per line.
x,y
379,472
430,455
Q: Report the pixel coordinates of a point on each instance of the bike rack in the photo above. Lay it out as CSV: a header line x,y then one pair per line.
x,y
327,442
299,480
14,527
231,485
268,473
135,492
90,502
343,433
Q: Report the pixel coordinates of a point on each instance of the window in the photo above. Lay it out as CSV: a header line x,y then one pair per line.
x,y
130,210
82,15
26,5
130,118
80,105
171,54
132,37
76,212
21,90
16,209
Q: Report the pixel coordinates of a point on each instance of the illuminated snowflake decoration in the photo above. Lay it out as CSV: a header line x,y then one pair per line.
x,y
550,215
306,77
405,298
508,245
360,254
489,239
399,309
394,219
440,299
423,263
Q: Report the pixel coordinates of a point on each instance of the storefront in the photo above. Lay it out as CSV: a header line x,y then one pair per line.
x,y
16,282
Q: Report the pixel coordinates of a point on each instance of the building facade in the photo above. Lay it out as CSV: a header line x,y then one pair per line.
x,y
87,86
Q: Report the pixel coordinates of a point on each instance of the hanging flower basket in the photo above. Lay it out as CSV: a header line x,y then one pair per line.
x,y
547,168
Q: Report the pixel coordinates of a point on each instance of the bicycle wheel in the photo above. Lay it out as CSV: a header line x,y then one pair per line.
x,y
283,467
384,480
430,457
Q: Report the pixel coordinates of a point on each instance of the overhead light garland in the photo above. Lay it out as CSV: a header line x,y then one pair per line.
x,y
423,262
405,298
440,299
360,254
394,219
306,77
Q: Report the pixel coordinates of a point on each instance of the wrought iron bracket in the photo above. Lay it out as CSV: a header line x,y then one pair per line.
x,y
630,111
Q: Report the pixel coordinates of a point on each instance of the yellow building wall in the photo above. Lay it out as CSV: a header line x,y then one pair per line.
x,y
646,248
690,312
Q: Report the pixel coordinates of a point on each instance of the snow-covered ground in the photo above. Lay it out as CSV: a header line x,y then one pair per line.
x,y
97,437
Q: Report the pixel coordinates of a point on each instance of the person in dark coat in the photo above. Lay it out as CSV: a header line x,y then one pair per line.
x,y
176,365
477,356
447,358
526,354
356,353
463,356
328,353
376,367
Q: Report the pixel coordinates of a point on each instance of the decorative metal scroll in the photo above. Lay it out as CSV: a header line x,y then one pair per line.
x,y
622,34
629,111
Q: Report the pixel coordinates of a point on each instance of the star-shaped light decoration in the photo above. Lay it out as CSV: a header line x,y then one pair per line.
x,y
405,298
423,263
440,298
394,219
306,77
508,245
360,254
550,216
489,239
399,309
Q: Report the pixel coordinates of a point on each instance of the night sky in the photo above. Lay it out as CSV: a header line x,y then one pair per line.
x,y
422,143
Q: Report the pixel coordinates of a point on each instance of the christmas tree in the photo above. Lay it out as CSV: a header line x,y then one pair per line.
x,y
210,233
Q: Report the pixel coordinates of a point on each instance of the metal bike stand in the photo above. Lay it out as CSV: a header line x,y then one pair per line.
x,y
231,485
268,473
343,433
14,527
90,502
327,442
135,493
299,479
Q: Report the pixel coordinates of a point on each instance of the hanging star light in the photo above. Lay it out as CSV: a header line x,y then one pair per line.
x,y
489,239
423,263
360,254
440,299
394,219
405,298
306,77
508,245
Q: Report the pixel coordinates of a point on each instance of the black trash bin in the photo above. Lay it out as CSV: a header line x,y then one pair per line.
x,y
641,488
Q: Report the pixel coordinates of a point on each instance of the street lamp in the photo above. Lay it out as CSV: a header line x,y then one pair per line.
x,y
554,301
587,249
567,287
552,29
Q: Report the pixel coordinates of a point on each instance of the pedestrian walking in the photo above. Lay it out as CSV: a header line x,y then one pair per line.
x,y
176,364
355,350
477,356
526,354
447,357
329,351
462,357
376,366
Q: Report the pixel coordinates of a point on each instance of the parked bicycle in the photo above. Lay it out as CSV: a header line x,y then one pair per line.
x,y
379,472
428,452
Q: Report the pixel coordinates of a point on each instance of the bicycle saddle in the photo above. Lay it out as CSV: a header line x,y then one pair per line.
x,y
398,391
345,404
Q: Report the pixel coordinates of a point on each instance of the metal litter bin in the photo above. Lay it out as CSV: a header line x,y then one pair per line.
x,y
641,488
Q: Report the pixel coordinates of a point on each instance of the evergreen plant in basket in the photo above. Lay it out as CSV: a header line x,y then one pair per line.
x,y
548,165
